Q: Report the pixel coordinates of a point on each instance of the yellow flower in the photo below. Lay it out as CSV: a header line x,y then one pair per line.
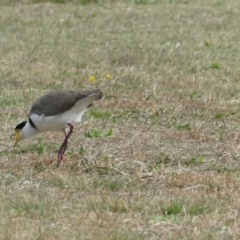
x,y
108,76
92,79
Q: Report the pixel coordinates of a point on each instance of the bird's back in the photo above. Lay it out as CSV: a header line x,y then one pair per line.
x,y
59,102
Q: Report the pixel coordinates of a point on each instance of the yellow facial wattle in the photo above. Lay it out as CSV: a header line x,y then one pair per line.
x,y
18,137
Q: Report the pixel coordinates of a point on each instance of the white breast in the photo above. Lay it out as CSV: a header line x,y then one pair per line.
x,y
59,122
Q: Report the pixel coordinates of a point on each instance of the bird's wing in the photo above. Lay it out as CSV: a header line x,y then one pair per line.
x,y
58,102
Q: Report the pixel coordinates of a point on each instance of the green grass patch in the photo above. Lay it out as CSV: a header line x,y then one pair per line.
x,y
215,65
93,133
186,126
195,161
7,101
175,207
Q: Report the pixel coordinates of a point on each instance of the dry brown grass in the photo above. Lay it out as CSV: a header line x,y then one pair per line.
x,y
163,159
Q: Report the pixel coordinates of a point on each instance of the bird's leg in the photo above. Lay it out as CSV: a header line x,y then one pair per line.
x,y
63,148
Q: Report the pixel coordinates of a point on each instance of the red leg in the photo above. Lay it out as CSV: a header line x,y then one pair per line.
x,y
63,148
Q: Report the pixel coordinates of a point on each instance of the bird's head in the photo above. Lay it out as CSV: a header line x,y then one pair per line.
x,y
18,130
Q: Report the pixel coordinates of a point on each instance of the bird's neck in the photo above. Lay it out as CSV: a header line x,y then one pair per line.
x,y
28,131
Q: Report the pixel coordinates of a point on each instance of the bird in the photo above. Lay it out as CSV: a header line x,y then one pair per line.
x,y
57,111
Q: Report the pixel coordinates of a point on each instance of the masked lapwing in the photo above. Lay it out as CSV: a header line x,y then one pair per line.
x,y
57,111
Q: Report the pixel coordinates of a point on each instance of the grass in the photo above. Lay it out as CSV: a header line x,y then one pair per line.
x,y
158,157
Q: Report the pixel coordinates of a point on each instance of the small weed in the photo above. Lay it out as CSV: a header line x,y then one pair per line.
x,y
207,44
214,65
81,151
220,115
104,116
195,95
163,158
40,150
100,115
195,161
213,186
107,97
220,135
109,133
186,126
175,207
93,133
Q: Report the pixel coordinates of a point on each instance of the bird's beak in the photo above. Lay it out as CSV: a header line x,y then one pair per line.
x,y
18,137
